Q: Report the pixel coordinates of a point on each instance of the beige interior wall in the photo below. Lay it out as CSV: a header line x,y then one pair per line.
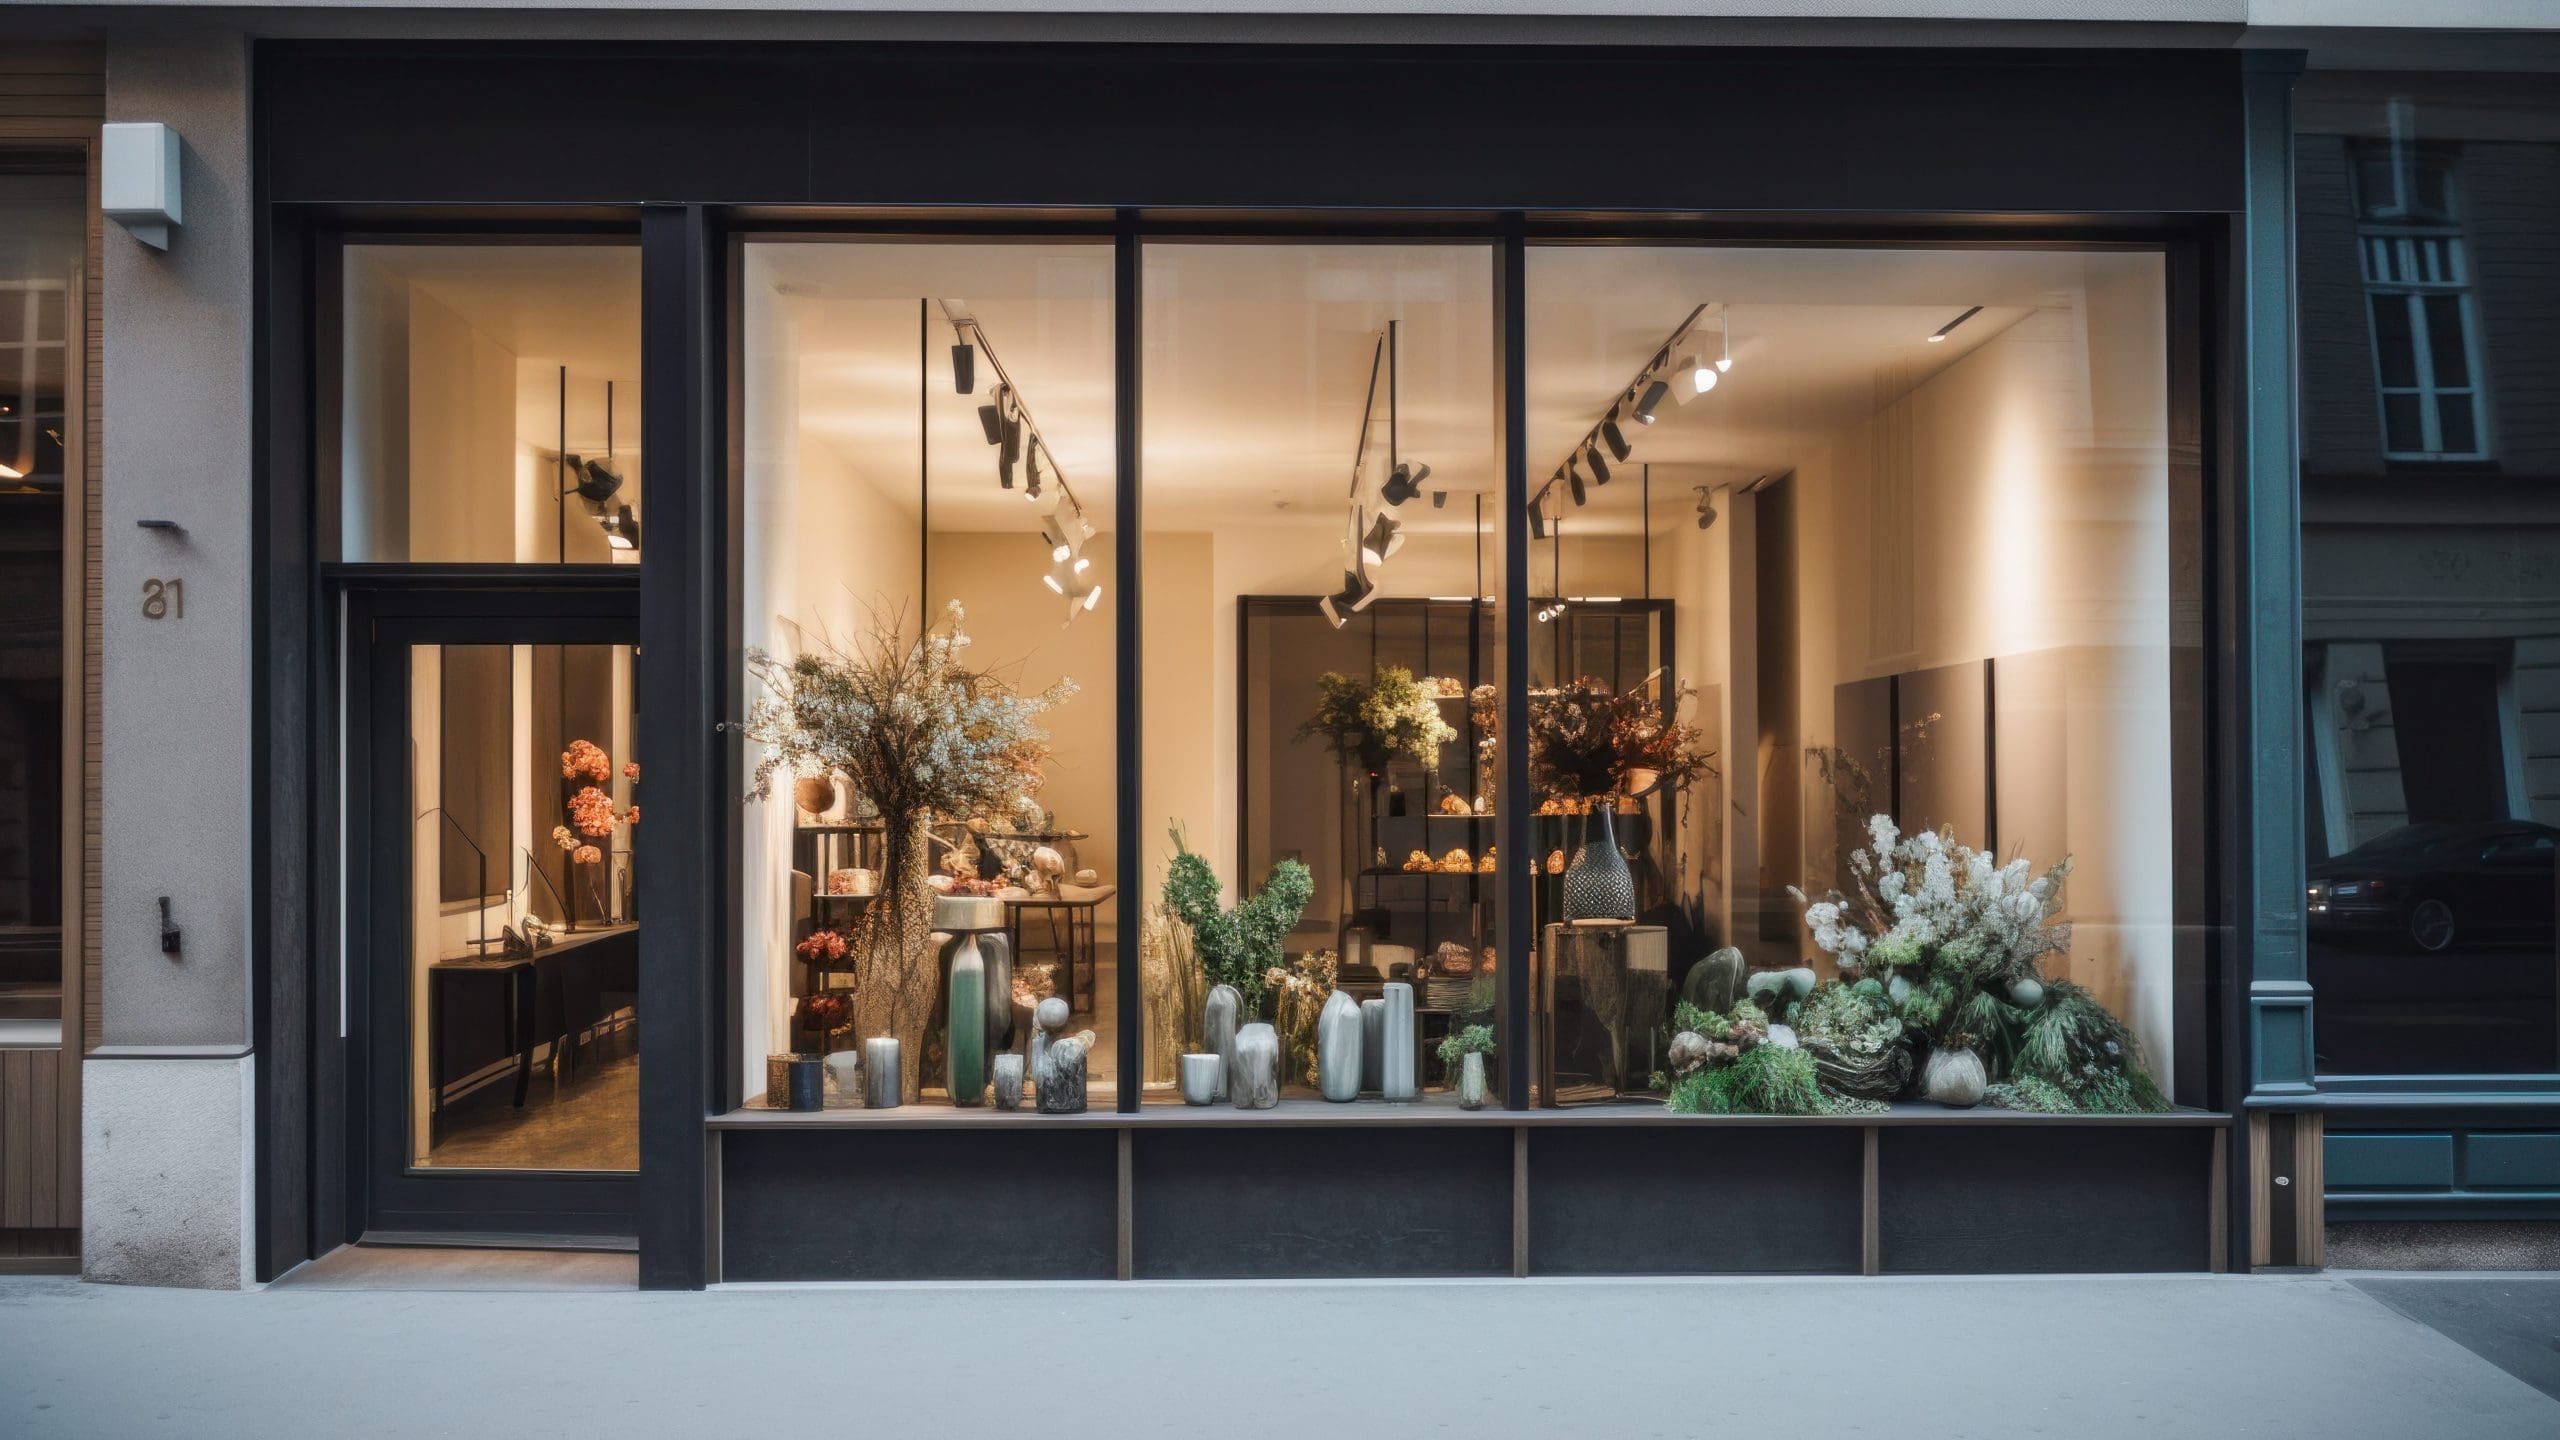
x,y
461,435
2015,504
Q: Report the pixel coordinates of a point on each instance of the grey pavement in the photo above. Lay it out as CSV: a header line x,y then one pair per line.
x,y
2080,1357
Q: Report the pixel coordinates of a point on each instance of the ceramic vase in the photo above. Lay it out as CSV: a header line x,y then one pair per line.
x,y
1061,1081
1373,1051
1398,1078
1471,1087
880,1072
1598,885
1007,1084
964,1041
997,953
1339,1051
1254,1080
1220,1015
1954,1078
1201,1075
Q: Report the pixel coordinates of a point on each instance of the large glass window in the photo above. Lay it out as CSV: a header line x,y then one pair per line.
x,y
932,898
1852,574
2427,262
1322,655
489,404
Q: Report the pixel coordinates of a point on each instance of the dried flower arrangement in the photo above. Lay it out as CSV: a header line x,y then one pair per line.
x,y
920,733
1303,985
1952,943
1370,721
1585,739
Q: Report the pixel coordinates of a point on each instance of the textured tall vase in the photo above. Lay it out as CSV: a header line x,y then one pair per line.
x,y
1220,1014
1397,1077
1373,1041
1253,1081
964,1042
1598,885
996,952
1339,1051
1471,1087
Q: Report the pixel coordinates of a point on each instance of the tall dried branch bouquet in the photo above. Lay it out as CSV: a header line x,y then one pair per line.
x,y
920,733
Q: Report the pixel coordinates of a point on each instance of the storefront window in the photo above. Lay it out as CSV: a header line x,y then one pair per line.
x,y
489,404
928,443
2428,308
1846,564
1322,653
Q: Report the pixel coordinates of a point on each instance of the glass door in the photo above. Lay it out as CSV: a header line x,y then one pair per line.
x,y
501,975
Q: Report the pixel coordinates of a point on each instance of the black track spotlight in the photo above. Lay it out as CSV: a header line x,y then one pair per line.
x,y
1354,596
596,484
1439,499
621,529
1538,516
1010,434
991,418
1650,399
1615,438
1405,483
1385,538
1031,475
964,368
1599,466
1573,483
1706,507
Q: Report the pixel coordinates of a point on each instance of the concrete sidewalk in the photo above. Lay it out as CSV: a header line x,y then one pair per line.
x,y
1902,1358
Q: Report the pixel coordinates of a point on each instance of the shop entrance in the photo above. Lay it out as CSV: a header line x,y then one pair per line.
x,y
495,974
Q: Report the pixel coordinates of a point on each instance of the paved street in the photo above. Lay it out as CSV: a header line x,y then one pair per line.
x,y
2313,1356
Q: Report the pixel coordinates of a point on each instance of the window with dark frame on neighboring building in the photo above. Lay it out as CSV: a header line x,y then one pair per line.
x,y
2417,282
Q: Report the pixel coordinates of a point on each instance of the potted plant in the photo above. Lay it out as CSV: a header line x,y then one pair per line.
x,y
1464,1048
1239,948
919,733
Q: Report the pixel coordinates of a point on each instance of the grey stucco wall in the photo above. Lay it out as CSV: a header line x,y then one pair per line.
x,y
174,792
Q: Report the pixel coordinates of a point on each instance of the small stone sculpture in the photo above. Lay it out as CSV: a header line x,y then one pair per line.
x,y
1061,1079
1254,1082
1047,1019
1339,1052
1716,982
1008,1080
1219,1016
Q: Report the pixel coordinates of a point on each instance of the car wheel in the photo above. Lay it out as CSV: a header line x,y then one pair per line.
x,y
2431,924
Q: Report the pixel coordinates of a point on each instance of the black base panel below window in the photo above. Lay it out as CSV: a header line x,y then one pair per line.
x,y
1695,1200
1264,1202
2010,1199
918,1205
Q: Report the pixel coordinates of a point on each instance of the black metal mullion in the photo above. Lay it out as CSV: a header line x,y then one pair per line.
x,y
1511,798
1127,297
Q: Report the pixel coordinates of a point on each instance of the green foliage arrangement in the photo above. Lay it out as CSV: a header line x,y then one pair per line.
x,y
1367,721
1466,1040
2084,1054
1238,947
1764,1080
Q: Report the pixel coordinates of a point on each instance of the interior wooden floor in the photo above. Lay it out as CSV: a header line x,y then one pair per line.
x,y
589,1123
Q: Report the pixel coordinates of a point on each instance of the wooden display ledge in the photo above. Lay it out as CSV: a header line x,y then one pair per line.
x,y
1439,1108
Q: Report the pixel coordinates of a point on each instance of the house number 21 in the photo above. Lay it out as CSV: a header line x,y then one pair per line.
x,y
164,599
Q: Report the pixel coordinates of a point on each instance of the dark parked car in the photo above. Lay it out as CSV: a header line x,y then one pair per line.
x,y
2441,885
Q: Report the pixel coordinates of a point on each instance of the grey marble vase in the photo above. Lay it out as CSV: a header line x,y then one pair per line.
x,y
1339,1051
1397,1077
1008,1080
1220,1014
1201,1078
1061,1081
1373,1033
1254,1080
1471,1087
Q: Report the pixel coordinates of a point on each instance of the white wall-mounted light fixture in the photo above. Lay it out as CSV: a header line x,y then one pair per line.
x,y
138,179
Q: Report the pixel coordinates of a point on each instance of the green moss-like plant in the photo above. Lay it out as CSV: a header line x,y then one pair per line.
x,y
1466,1040
2074,1046
1766,1080
1236,947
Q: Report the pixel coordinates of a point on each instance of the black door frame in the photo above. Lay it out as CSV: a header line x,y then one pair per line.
x,y
386,1198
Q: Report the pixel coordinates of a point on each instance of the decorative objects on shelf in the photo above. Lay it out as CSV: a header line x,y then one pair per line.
x,y
1339,1048
1715,982
1299,989
1061,1082
1398,1077
1368,722
1253,1082
1048,1021
1598,888
1953,942
1953,1075
1172,992
1738,1064
777,1078
1204,1079
1603,990
1237,947
821,1016
808,1082
918,732
1373,1044
1587,740
1221,1016
881,1084
1007,1083
814,794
